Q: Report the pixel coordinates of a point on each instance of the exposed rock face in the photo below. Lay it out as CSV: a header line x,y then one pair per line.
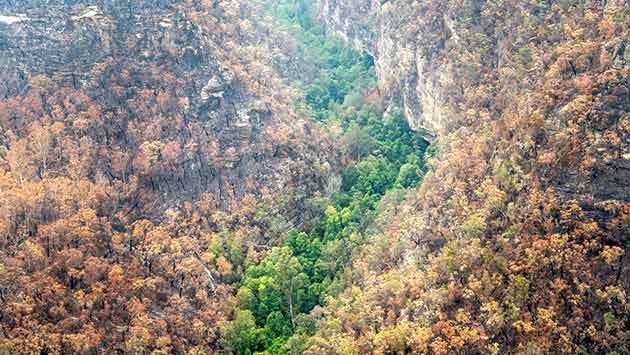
x,y
530,101
451,66
70,40
395,34
174,69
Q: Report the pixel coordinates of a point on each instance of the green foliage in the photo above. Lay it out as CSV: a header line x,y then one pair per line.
x,y
358,143
409,175
525,54
241,335
470,12
382,154
474,225
336,70
294,11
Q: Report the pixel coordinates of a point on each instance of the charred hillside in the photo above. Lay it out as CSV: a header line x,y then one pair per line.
x,y
137,140
156,90
515,242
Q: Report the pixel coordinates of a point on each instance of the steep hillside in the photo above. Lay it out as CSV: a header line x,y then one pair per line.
x,y
382,160
181,93
138,141
517,240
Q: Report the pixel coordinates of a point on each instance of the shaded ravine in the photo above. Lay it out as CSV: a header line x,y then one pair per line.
x,y
381,158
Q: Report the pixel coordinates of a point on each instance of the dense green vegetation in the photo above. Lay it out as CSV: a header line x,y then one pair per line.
x,y
381,154
332,73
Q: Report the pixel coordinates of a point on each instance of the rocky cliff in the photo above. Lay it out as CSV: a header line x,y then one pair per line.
x,y
403,41
428,54
181,103
451,66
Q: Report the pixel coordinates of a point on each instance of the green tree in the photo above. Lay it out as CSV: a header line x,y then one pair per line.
x,y
357,142
241,335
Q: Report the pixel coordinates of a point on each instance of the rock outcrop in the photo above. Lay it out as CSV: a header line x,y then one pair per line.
x,y
404,43
173,68
449,67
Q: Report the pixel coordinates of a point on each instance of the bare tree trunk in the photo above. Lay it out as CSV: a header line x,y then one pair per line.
x,y
291,305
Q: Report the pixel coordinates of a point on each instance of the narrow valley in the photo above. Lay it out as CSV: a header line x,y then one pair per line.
x,y
317,177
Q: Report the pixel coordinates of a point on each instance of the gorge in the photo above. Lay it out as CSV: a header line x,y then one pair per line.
x,y
314,177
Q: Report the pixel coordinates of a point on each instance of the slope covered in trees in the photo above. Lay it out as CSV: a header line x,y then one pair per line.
x,y
142,144
517,240
166,185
